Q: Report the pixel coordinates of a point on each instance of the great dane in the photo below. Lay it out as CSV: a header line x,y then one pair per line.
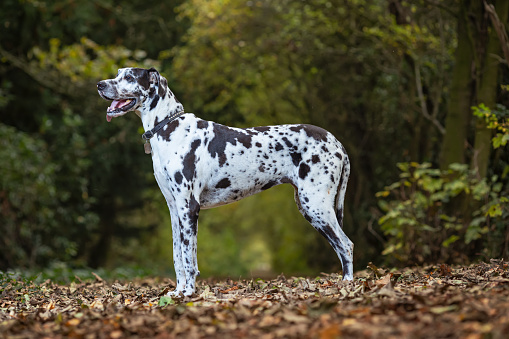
x,y
201,164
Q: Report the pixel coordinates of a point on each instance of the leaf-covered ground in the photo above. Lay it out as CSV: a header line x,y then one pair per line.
x,y
436,301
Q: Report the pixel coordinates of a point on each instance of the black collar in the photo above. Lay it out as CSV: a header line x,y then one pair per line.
x,y
149,134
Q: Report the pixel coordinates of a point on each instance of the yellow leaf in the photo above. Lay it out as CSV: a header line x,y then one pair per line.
x,y
348,322
73,322
116,334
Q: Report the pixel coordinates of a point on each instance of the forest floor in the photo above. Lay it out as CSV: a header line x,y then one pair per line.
x,y
424,302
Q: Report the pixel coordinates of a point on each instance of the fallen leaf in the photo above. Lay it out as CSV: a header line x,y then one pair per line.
x,y
384,280
73,322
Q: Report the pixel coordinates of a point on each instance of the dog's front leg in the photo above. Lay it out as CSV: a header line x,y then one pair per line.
x,y
185,238
178,262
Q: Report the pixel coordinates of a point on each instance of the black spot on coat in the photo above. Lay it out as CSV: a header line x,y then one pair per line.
x,y
189,161
317,133
166,132
261,128
269,185
141,76
287,142
303,170
223,183
194,211
178,178
296,158
202,124
330,235
154,102
297,128
224,135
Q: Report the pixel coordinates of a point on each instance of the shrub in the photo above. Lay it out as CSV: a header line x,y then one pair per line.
x,y
425,221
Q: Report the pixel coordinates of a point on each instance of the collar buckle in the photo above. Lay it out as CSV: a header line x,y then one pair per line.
x,y
147,135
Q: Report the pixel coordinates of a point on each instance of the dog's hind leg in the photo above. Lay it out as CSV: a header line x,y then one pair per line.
x,y
317,206
340,196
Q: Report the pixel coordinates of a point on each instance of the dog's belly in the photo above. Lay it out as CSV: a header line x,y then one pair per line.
x,y
214,197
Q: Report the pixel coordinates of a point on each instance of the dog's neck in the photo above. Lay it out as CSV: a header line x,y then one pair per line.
x,y
166,106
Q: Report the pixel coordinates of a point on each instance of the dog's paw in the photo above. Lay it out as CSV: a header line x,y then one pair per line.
x,y
175,294
348,277
188,292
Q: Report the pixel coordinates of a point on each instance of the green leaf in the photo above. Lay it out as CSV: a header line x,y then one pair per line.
x,y
495,210
450,240
458,167
382,194
430,184
164,301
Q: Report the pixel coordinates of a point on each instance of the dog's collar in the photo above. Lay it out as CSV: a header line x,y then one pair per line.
x,y
149,134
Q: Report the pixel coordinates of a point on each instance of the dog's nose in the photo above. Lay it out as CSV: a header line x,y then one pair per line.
x,y
101,85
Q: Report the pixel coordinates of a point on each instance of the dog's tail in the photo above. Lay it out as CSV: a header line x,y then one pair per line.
x,y
340,196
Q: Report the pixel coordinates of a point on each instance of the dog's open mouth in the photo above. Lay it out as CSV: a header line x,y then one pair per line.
x,y
119,107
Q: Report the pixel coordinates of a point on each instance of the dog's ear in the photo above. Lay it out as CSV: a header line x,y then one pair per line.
x,y
153,76
163,86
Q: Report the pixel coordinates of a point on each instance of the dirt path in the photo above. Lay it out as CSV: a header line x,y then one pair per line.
x,y
433,302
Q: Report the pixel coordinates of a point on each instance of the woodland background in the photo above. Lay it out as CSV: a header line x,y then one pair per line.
x,y
415,90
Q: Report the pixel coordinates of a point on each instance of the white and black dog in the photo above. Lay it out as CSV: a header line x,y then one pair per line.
x,y
201,164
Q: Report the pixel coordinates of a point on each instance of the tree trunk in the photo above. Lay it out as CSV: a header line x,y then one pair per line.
x,y
461,92
487,89
99,252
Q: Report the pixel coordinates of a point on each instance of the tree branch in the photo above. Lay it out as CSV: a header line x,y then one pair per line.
x,y
499,28
424,107
46,81
440,5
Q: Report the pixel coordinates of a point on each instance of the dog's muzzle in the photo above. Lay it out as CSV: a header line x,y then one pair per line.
x,y
119,106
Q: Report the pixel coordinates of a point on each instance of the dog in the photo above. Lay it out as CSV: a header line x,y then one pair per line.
x,y
201,164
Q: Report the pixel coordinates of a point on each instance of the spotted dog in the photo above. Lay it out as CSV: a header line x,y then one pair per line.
x,y
201,164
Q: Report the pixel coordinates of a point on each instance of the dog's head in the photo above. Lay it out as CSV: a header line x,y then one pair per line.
x,y
131,89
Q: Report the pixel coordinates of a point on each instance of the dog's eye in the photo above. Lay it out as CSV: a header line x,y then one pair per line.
x,y
129,78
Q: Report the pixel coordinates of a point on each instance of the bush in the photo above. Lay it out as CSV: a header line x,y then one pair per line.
x,y
437,215
30,212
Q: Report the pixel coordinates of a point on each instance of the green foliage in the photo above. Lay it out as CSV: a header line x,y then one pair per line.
x,y
418,222
30,204
496,120
70,143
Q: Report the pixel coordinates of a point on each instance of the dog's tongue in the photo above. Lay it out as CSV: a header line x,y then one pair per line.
x,y
115,104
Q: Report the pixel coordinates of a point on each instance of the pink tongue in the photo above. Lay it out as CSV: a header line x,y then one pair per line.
x,y
115,103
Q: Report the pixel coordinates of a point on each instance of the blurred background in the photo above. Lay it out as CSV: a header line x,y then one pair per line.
x,y
415,90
